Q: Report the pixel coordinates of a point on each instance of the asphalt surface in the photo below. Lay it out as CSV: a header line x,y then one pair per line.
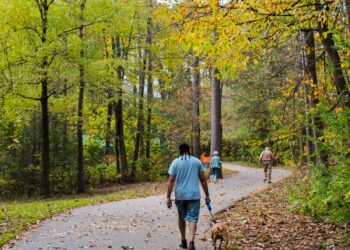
x,y
139,223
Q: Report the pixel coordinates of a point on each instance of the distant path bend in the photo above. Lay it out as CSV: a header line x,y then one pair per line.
x,y
143,223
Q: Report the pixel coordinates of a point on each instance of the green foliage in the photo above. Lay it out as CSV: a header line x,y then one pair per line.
x,y
325,193
22,53
102,174
268,99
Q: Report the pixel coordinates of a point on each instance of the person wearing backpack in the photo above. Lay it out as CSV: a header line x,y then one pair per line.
x,y
215,165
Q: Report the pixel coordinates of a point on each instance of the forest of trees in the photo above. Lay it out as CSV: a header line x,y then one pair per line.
x,y
94,92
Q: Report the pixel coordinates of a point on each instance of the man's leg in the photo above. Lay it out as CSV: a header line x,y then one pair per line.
x,y
182,227
269,171
181,222
193,229
215,174
193,215
265,171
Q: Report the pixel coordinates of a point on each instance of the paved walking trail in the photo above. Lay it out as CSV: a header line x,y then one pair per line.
x,y
139,223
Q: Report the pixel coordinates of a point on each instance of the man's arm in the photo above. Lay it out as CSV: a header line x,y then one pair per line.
x,y
273,158
170,190
204,185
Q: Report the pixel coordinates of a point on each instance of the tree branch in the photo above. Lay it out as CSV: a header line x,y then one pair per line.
x,y
51,2
28,28
27,97
60,92
81,26
40,7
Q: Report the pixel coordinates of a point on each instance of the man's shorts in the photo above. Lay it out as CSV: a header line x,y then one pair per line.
x,y
188,209
216,172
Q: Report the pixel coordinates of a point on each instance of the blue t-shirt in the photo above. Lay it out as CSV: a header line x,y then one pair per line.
x,y
215,162
186,170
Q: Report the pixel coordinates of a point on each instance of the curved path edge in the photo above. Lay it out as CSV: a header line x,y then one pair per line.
x,y
143,223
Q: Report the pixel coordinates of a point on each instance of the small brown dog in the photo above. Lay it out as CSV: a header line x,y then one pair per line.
x,y
219,232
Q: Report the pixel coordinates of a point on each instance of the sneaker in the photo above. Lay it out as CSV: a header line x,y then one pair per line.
x,y
183,244
270,182
192,246
264,180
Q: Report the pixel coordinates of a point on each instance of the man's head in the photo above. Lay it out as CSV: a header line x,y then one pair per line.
x,y
215,153
267,148
184,149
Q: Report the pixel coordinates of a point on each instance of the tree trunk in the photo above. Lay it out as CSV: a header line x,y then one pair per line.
x,y
347,10
308,129
45,140
121,158
139,128
45,152
81,171
308,123
195,108
339,79
65,130
311,89
108,130
109,109
120,128
117,141
215,114
302,145
149,91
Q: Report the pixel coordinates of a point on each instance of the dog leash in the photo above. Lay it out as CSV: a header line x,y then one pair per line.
x,y
209,208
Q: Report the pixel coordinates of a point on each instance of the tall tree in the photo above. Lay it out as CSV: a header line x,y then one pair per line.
x,y
338,76
142,59
43,7
149,83
196,144
311,92
109,109
118,111
81,171
215,113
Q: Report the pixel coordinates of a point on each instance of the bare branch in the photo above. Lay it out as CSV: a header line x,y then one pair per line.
x,y
40,7
27,97
51,2
29,28
60,92
82,26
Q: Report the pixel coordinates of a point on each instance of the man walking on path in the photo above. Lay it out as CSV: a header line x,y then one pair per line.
x,y
266,159
185,173
215,165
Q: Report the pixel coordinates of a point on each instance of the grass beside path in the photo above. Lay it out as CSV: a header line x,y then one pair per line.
x,y
266,220
18,216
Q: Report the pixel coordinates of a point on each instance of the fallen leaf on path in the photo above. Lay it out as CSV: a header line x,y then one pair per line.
x,y
203,238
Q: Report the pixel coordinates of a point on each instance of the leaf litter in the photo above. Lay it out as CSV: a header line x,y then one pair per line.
x,y
266,220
